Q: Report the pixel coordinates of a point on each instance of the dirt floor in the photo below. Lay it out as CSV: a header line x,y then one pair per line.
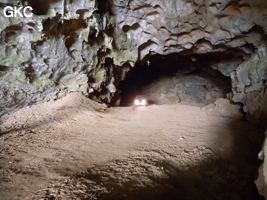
x,y
75,148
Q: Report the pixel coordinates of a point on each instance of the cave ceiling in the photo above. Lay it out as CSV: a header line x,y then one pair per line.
x,y
88,46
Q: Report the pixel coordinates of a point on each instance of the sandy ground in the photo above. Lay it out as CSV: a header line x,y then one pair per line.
x,y
75,148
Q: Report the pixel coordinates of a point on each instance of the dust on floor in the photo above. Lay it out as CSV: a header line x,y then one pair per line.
x,y
75,148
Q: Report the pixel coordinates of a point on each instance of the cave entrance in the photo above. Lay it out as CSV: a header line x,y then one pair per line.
x,y
171,79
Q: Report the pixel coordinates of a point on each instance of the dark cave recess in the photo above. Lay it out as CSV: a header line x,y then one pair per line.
x,y
174,78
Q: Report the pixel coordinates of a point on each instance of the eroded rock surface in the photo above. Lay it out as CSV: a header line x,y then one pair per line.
x,y
89,46
54,53
249,85
192,26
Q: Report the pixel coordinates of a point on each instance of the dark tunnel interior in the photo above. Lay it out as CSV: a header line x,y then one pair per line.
x,y
181,78
133,100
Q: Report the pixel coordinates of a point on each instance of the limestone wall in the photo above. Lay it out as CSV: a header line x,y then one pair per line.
x,y
89,45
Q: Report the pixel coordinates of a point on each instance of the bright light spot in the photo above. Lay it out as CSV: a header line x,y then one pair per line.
x,y
140,102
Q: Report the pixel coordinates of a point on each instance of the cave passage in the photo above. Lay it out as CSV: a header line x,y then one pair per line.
x,y
175,79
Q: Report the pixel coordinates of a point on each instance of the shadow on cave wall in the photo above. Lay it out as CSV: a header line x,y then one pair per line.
x,y
153,174
176,78
40,7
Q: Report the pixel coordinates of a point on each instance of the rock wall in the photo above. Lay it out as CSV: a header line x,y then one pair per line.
x,y
199,27
63,48
89,45
250,88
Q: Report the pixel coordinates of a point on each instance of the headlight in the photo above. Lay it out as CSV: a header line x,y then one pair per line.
x,y
140,102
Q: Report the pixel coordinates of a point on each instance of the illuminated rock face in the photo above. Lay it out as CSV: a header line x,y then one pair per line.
x,y
63,48
88,46
192,26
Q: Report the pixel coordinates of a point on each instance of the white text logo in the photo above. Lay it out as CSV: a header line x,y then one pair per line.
x,y
10,11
